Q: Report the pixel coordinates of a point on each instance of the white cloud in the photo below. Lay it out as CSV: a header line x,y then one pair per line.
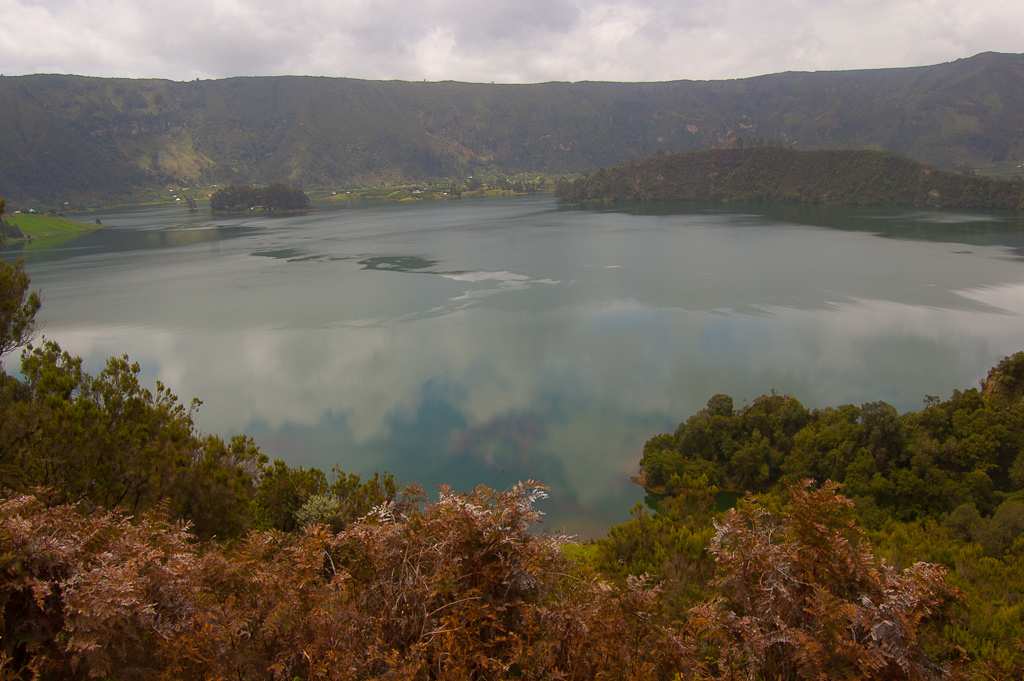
x,y
525,41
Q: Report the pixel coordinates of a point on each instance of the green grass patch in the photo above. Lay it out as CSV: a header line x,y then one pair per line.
x,y
581,552
38,226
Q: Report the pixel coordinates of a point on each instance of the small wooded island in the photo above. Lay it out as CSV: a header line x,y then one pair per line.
x,y
771,174
275,198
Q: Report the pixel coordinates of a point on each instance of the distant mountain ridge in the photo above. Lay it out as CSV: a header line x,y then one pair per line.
x,y
73,137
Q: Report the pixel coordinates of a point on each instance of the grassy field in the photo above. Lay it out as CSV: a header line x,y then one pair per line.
x,y
46,230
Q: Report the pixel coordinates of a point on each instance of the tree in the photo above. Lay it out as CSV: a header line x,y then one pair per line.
x,y
107,441
18,306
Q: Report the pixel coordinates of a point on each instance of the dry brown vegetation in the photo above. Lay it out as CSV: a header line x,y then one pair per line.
x,y
454,589
458,588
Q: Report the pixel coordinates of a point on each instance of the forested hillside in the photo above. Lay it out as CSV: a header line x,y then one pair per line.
x,y
771,174
71,138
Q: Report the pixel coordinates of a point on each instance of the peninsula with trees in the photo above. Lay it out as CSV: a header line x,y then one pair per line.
x,y
773,174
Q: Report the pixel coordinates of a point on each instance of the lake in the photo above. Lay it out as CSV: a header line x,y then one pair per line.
x,y
490,341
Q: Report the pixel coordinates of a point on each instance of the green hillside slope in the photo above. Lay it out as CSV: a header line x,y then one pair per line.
x,y
72,137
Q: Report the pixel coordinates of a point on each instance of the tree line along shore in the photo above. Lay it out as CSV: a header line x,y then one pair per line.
x,y
773,174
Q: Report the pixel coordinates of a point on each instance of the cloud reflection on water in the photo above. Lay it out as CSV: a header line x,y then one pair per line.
x,y
566,398
593,334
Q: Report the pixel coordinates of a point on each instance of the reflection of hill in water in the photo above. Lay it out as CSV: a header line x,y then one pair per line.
x,y
973,228
517,430
114,239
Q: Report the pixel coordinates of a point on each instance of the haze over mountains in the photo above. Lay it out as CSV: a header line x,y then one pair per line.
x,y
73,138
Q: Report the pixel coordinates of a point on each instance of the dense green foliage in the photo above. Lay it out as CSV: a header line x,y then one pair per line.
x,y
274,198
965,452
944,485
770,174
68,138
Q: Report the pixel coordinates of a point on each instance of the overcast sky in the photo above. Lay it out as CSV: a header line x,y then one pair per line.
x,y
525,41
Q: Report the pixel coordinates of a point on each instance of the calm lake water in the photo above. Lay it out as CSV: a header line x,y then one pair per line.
x,y
491,341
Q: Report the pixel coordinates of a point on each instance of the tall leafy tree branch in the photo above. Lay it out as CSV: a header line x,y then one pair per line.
x,y
18,305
